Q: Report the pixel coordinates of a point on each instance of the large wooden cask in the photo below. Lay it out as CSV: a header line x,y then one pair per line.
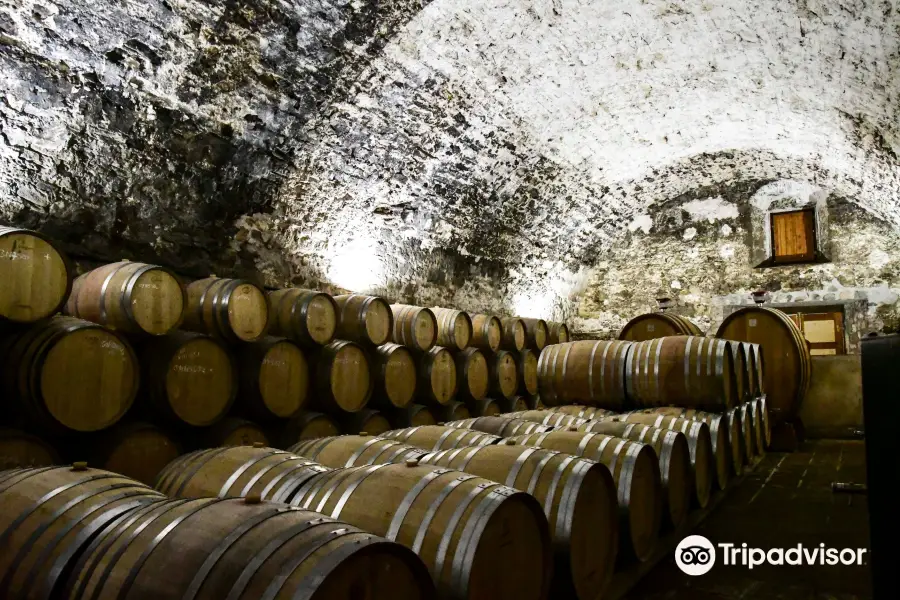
x,y
487,332
69,374
414,327
455,411
486,407
503,374
588,413
136,450
579,500
366,421
527,372
344,451
739,354
36,276
588,372
441,437
234,431
537,334
480,539
559,333
674,457
19,449
682,370
232,310
307,317
784,352
514,404
367,320
455,328
215,548
472,374
189,378
502,426
129,296
634,468
307,425
342,377
274,379
656,325
393,376
237,471
414,415
437,377
515,334
50,515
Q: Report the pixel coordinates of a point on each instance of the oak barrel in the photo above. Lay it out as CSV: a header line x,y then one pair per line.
x,y
559,333
188,377
19,449
486,407
233,310
537,334
233,431
748,426
455,411
759,363
274,379
783,351
514,404
414,415
441,437
69,374
306,425
682,370
487,332
515,334
342,378
307,317
215,548
751,376
634,468
364,319
739,354
137,450
454,328
656,325
414,327
129,296
503,374
527,371
759,443
237,471
480,539
344,451
588,372
762,403
437,377
579,500
394,376
472,374
50,515
502,426
367,421
546,417
36,276
589,413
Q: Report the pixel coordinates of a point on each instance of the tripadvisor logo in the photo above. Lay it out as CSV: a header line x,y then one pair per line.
x,y
696,555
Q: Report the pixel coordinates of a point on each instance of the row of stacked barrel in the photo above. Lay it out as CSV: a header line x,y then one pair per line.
x,y
528,506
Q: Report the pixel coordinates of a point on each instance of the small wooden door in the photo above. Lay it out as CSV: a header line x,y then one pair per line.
x,y
823,331
794,236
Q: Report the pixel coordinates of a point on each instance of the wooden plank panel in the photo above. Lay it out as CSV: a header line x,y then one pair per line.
x,y
793,235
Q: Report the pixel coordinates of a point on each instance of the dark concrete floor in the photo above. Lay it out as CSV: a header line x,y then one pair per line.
x,y
786,501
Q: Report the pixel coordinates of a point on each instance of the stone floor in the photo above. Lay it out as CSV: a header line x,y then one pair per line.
x,y
786,501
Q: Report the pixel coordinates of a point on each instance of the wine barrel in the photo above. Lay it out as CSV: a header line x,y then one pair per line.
x,y
589,372
243,550
189,378
22,450
232,431
307,317
232,310
455,411
579,500
274,379
749,430
342,377
762,403
501,426
739,353
783,350
559,333
356,451
50,515
414,327
487,332
129,296
760,369
237,471
136,450
681,370
759,444
703,462
366,421
486,407
454,328
588,413
635,470
751,376
527,371
440,437
364,319
480,539
503,374
514,404
554,419
515,334
36,276
745,441
656,325
437,377
414,415
674,457
307,425
537,333
394,377
472,374
69,374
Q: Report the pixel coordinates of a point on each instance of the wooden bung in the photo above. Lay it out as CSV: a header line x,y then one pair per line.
x,y
472,374
437,377
129,296
36,276
588,372
537,334
414,327
367,320
307,317
455,328
342,377
356,450
232,310
440,437
503,373
487,332
515,335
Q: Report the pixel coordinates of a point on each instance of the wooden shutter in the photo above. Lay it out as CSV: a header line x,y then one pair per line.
x,y
794,236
